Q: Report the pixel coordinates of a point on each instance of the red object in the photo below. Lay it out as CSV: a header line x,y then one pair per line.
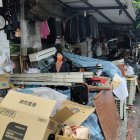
x,y
99,80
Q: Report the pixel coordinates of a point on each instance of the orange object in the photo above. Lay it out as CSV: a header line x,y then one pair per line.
x,y
99,80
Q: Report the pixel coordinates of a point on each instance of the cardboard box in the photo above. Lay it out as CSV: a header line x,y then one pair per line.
x,y
1,99
60,137
4,81
57,120
27,117
81,114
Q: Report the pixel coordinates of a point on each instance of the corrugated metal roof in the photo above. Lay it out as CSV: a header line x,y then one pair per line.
x,y
112,14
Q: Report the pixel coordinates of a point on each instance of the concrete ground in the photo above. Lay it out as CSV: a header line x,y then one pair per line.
x,y
137,103
133,125
130,128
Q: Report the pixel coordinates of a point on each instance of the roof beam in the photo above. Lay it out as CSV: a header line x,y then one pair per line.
x,y
99,12
69,2
65,5
126,12
100,8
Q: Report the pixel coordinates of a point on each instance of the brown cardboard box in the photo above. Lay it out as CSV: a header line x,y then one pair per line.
x,y
1,99
4,81
27,117
57,120
81,114
60,137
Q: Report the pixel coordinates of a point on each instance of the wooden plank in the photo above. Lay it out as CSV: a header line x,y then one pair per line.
x,y
77,80
108,115
70,74
50,78
95,88
43,83
47,77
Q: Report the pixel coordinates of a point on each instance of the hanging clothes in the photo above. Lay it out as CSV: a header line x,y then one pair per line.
x,y
78,28
58,24
44,29
96,29
75,30
52,25
12,10
92,26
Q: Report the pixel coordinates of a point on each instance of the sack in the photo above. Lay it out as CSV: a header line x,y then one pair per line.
x,y
129,70
79,93
8,65
98,50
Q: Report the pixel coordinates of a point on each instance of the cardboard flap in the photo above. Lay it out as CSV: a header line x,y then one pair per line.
x,y
4,77
62,115
81,112
28,103
1,99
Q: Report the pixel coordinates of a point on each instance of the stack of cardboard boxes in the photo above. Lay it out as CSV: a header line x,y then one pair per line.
x,y
27,117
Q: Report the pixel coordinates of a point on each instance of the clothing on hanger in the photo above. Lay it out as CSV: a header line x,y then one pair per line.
x,y
44,29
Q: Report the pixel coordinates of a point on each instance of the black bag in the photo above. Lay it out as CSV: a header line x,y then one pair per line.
x,y
51,137
79,93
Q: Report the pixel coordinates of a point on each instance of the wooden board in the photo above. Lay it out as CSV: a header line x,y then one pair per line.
x,y
42,83
95,88
108,115
50,78
84,74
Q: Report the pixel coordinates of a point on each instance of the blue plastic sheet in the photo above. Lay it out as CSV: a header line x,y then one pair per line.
x,y
93,125
82,61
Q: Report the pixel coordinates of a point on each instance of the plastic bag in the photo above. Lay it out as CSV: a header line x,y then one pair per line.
x,y
98,50
8,65
129,71
32,70
52,94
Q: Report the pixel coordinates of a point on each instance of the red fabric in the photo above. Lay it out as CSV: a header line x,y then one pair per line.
x,y
99,80
44,29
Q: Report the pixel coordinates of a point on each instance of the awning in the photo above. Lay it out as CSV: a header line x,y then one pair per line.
x,y
105,11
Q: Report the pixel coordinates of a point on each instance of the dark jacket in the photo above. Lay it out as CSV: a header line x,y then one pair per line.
x,y
75,30
64,67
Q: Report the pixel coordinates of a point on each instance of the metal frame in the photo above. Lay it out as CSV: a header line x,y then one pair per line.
x,y
91,7
126,12
101,8
99,12
65,5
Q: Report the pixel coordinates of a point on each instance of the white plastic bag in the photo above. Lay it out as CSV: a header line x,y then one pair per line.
x,y
32,70
52,94
129,70
98,50
8,65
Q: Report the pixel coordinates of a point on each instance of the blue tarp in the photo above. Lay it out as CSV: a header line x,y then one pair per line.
x,y
82,61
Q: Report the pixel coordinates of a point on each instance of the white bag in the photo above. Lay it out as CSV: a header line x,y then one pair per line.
x,y
129,71
98,51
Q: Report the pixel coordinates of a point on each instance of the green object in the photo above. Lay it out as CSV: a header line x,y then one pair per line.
x,y
14,48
